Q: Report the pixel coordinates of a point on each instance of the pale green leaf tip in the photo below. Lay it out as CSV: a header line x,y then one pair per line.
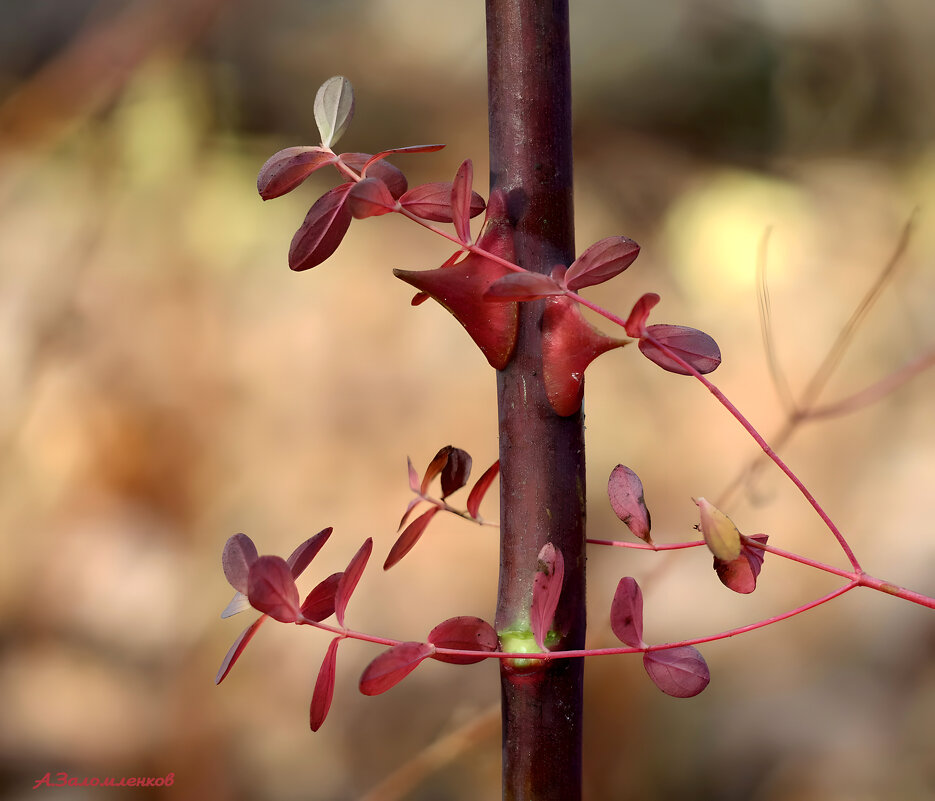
x,y
334,109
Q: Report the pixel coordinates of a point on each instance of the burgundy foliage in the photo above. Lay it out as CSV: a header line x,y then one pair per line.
x,y
635,324
410,537
349,578
690,345
237,648
393,665
288,168
626,613
523,286
370,198
238,555
740,574
601,261
302,556
325,225
390,175
626,498
461,193
319,603
480,489
546,590
680,672
324,687
433,202
271,589
463,634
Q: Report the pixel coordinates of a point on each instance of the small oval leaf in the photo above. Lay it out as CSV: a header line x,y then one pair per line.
x,y
433,202
456,472
271,589
680,672
463,634
626,613
546,591
522,286
393,665
370,197
324,687
392,176
324,227
689,344
719,532
461,191
626,498
349,578
288,168
238,555
333,108
601,262
319,603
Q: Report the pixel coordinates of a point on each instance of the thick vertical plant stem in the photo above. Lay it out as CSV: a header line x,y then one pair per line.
x,y
542,474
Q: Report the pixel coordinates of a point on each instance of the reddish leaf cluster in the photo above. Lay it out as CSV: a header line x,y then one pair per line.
x,y
453,466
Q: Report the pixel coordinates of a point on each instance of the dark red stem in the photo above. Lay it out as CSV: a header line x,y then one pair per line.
x,y
542,474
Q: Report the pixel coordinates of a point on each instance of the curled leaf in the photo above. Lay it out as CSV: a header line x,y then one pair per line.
x,y
239,553
522,286
288,168
626,498
719,532
569,344
393,665
347,583
319,603
324,687
324,227
370,198
405,542
601,261
740,574
439,460
456,472
463,634
690,345
635,325
271,589
546,591
626,613
433,202
680,672
236,649
333,108
302,556
480,489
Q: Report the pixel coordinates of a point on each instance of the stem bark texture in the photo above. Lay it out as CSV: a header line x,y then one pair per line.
x,y
542,469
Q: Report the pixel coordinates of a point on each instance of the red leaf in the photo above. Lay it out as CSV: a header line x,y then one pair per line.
x,y
413,476
460,288
689,344
480,489
302,556
408,149
370,198
680,672
522,286
325,225
319,603
463,634
626,613
392,666
409,537
324,687
239,553
546,590
433,202
626,497
439,460
601,262
272,589
569,344
456,472
636,323
411,505
236,649
740,574
461,191
392,176
348,581
285,170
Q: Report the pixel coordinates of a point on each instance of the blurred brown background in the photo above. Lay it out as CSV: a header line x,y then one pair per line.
x,y
166,381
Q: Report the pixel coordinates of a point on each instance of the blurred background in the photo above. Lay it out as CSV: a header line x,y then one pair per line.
x,y
166,382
